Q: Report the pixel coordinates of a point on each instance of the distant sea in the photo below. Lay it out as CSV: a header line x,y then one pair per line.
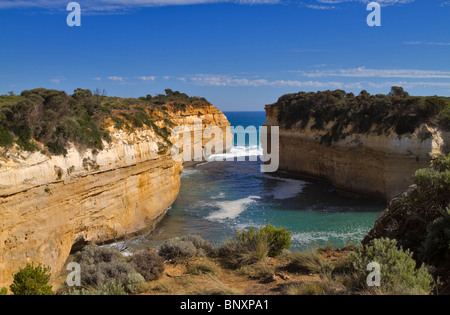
x,y
217,198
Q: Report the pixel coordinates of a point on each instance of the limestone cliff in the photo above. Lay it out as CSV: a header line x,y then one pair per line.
x,y
49,204
376,164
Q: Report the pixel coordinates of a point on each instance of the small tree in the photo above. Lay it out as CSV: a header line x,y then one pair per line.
x,y
32,280
398,91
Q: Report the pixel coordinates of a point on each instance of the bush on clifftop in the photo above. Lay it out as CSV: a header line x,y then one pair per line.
x,y
54,118
348,114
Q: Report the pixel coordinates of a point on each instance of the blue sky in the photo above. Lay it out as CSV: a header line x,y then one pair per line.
x,y
239,54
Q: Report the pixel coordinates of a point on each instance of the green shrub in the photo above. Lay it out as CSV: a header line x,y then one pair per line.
x,y
430,179
111,288
279,239
6,139
3,291
149,264
236,254
322,287
442,163
135,283
399,273
310,262
436,245
249,247
32,280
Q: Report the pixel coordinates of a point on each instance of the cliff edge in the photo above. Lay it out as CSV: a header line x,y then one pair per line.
x,y
51,204
368,144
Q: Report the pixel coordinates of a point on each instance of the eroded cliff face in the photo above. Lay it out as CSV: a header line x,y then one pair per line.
x,y
48,204
379,166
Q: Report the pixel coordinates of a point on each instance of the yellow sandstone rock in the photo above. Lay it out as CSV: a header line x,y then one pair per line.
x,y
48,205
380,166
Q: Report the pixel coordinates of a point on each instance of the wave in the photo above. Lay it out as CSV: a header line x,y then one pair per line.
x,y
231,209
237,152
286,188
312,238
188,171
220,196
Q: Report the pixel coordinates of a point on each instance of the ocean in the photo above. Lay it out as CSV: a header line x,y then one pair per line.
x,y
217,198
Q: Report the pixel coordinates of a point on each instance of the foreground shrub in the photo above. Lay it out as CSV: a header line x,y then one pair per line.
x,y
3,291
241,252
103,273
203,268
418,220
399,274
310,262
149,264
135,283
93,254
182,249
252,246
436,246
279,238
32,280
177,250
325,286
106,268
204,248
442,163
262,271
111,288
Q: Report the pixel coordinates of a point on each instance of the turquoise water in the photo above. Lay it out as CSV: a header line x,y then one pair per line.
x,y
217,198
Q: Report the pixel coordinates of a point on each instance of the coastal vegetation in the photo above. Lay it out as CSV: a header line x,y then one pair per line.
x,y
32,280
204,268
419,219
340,114
47,120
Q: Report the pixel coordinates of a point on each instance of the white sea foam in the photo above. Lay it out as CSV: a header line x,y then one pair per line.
x,y
188,172
310,238
286,188
236,152
231,209
220,196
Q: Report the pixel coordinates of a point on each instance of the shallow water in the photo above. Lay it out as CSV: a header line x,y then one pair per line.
x,y
217,198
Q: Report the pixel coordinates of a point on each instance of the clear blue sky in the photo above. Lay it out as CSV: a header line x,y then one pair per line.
x,y
239,54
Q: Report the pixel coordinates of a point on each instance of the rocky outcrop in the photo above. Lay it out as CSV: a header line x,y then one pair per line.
x,y
50,205
373,164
